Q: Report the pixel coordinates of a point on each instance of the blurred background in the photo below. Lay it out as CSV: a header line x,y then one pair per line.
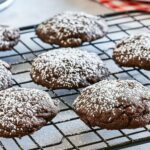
x,y
29,12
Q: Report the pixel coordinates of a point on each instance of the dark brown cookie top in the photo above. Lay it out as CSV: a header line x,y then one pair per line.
x,y
71,29
5,75
24,111
9,37
68,68
115,104
134,51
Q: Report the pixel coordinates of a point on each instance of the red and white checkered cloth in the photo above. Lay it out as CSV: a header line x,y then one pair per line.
x,y
125,5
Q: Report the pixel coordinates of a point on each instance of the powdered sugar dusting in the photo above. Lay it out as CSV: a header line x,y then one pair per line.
x,y
8,37
5,75
105,96
72,28
24,110
132,48
68,67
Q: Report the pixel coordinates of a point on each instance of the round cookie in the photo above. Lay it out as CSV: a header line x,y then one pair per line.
x,y
24,111
5,76
68,68
9,37
114,104
133,51
70,29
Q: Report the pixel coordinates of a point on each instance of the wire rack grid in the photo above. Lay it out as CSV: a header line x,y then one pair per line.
x,y
66,130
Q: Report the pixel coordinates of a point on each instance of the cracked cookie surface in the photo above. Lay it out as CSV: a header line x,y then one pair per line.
x,y
9,37
133,51
68,68
115,104
24,111
70,29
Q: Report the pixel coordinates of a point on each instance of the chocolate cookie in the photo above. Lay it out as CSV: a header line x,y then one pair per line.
x,y
114,104
70,29
133,51
5,75
68,68
24,111
9,37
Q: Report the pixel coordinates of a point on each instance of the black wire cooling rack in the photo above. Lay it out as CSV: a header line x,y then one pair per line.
x,y
66,130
